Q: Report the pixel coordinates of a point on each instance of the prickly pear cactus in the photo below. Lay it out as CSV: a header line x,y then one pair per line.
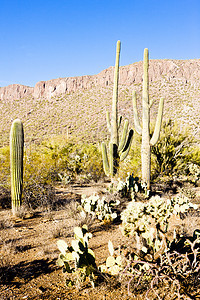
x,y
114,262
100,208
78,253
147,223
16,163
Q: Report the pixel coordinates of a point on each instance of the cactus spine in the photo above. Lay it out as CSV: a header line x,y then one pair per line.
x,y
16,163
117,150
145,129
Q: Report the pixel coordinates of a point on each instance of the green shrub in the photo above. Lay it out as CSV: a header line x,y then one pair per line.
x,y
90,163
5,167
174,151
49,162
132,164
39,175
74,161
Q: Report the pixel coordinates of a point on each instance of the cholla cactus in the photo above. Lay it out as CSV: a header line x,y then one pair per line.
x,y
148,222
145,129
129,187
16,163
98,207
194,170
118,150
80,254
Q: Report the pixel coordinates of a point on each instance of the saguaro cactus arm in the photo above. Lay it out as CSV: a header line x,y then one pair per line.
x,y
110,164
151,102
124,135
119,122
105,160
111,161
127,146
117,150
108,121
145,96
156,133
16,163
114,128
138,127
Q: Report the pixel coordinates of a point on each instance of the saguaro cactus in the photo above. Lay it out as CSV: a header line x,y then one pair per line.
x,y
16,163
145,129
117,150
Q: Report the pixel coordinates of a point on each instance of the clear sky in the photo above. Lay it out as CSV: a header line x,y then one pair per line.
x,y
45,39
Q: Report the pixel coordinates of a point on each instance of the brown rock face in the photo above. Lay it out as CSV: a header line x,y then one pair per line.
x,y
15,91
185,71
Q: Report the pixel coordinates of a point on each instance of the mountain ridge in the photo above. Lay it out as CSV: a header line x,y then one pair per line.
x,y
78,105
184,70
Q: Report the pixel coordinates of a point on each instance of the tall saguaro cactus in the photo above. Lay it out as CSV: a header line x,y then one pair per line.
x,y
16,163
118,150
145,129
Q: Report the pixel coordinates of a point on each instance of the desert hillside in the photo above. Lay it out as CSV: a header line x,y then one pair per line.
x,y
77,105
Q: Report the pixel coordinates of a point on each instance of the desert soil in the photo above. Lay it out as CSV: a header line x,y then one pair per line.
x,y
28,254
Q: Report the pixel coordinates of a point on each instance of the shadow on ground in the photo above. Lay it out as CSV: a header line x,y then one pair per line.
x,y
26,271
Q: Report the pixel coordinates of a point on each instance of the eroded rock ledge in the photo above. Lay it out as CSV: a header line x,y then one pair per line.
x,y
159,70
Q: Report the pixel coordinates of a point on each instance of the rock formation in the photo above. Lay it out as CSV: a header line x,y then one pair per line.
x,y
15,91
162,70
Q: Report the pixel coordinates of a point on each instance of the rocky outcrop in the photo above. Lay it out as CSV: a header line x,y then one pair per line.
x,y
15,91
159,70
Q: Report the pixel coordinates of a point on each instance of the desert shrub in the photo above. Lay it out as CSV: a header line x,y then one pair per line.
x,y
37,194
38,188
85,162
75,161
174,151
49,162
91,161
5,196
132,164
5,167
6,260
6,222
38,180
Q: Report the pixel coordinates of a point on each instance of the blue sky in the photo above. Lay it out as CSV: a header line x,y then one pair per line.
x,y
42,40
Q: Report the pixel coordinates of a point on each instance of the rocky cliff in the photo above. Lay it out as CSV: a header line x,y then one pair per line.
x,y
159,70
77,106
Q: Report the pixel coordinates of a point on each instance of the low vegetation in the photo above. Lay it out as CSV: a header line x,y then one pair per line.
x,y
150,252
